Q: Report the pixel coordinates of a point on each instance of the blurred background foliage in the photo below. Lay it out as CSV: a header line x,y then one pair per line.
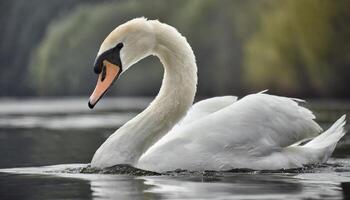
x,y
299,48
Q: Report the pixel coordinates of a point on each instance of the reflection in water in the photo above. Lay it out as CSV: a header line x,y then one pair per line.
x,y
232,187
241,186
121,187
322,183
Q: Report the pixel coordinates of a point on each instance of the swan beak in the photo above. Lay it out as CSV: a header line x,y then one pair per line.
x,y
109,74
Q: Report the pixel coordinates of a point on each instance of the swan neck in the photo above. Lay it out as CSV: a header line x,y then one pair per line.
x,y
175,97
178,88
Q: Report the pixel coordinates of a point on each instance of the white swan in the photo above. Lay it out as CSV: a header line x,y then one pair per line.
x,y
259,131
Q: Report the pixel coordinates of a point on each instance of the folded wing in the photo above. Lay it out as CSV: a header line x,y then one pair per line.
x,y
234,136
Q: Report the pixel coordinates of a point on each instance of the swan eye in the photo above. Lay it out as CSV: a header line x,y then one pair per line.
x,y
104,72
111,55
120,45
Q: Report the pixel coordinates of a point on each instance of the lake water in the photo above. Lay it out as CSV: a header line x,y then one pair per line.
x,y
41,139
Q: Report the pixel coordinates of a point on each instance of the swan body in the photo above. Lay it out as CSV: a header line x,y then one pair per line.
x,y
259,131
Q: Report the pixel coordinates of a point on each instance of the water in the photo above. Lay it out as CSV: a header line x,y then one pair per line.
x,y
36,133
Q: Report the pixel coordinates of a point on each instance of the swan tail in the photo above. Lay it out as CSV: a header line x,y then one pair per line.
x,y
324,144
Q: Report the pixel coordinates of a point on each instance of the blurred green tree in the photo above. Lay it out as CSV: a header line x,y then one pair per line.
x,y
63,61
301,47
290,47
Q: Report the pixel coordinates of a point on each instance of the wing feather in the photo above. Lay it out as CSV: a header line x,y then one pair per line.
x,y
206,107
251,128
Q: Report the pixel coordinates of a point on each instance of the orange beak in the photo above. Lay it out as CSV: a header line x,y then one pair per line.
x,y
110,72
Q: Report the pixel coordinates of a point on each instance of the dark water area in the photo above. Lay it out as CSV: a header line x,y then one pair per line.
x,y
37,147
40,139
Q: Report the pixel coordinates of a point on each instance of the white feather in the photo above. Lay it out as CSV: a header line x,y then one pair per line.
x,y
242,135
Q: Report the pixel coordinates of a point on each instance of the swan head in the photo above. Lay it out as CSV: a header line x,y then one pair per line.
x,y
123,47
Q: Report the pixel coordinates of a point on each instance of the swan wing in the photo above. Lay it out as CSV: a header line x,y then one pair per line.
x,y
206,107
237,136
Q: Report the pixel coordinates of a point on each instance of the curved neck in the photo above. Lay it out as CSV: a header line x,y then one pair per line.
x,y
178,88
175,97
